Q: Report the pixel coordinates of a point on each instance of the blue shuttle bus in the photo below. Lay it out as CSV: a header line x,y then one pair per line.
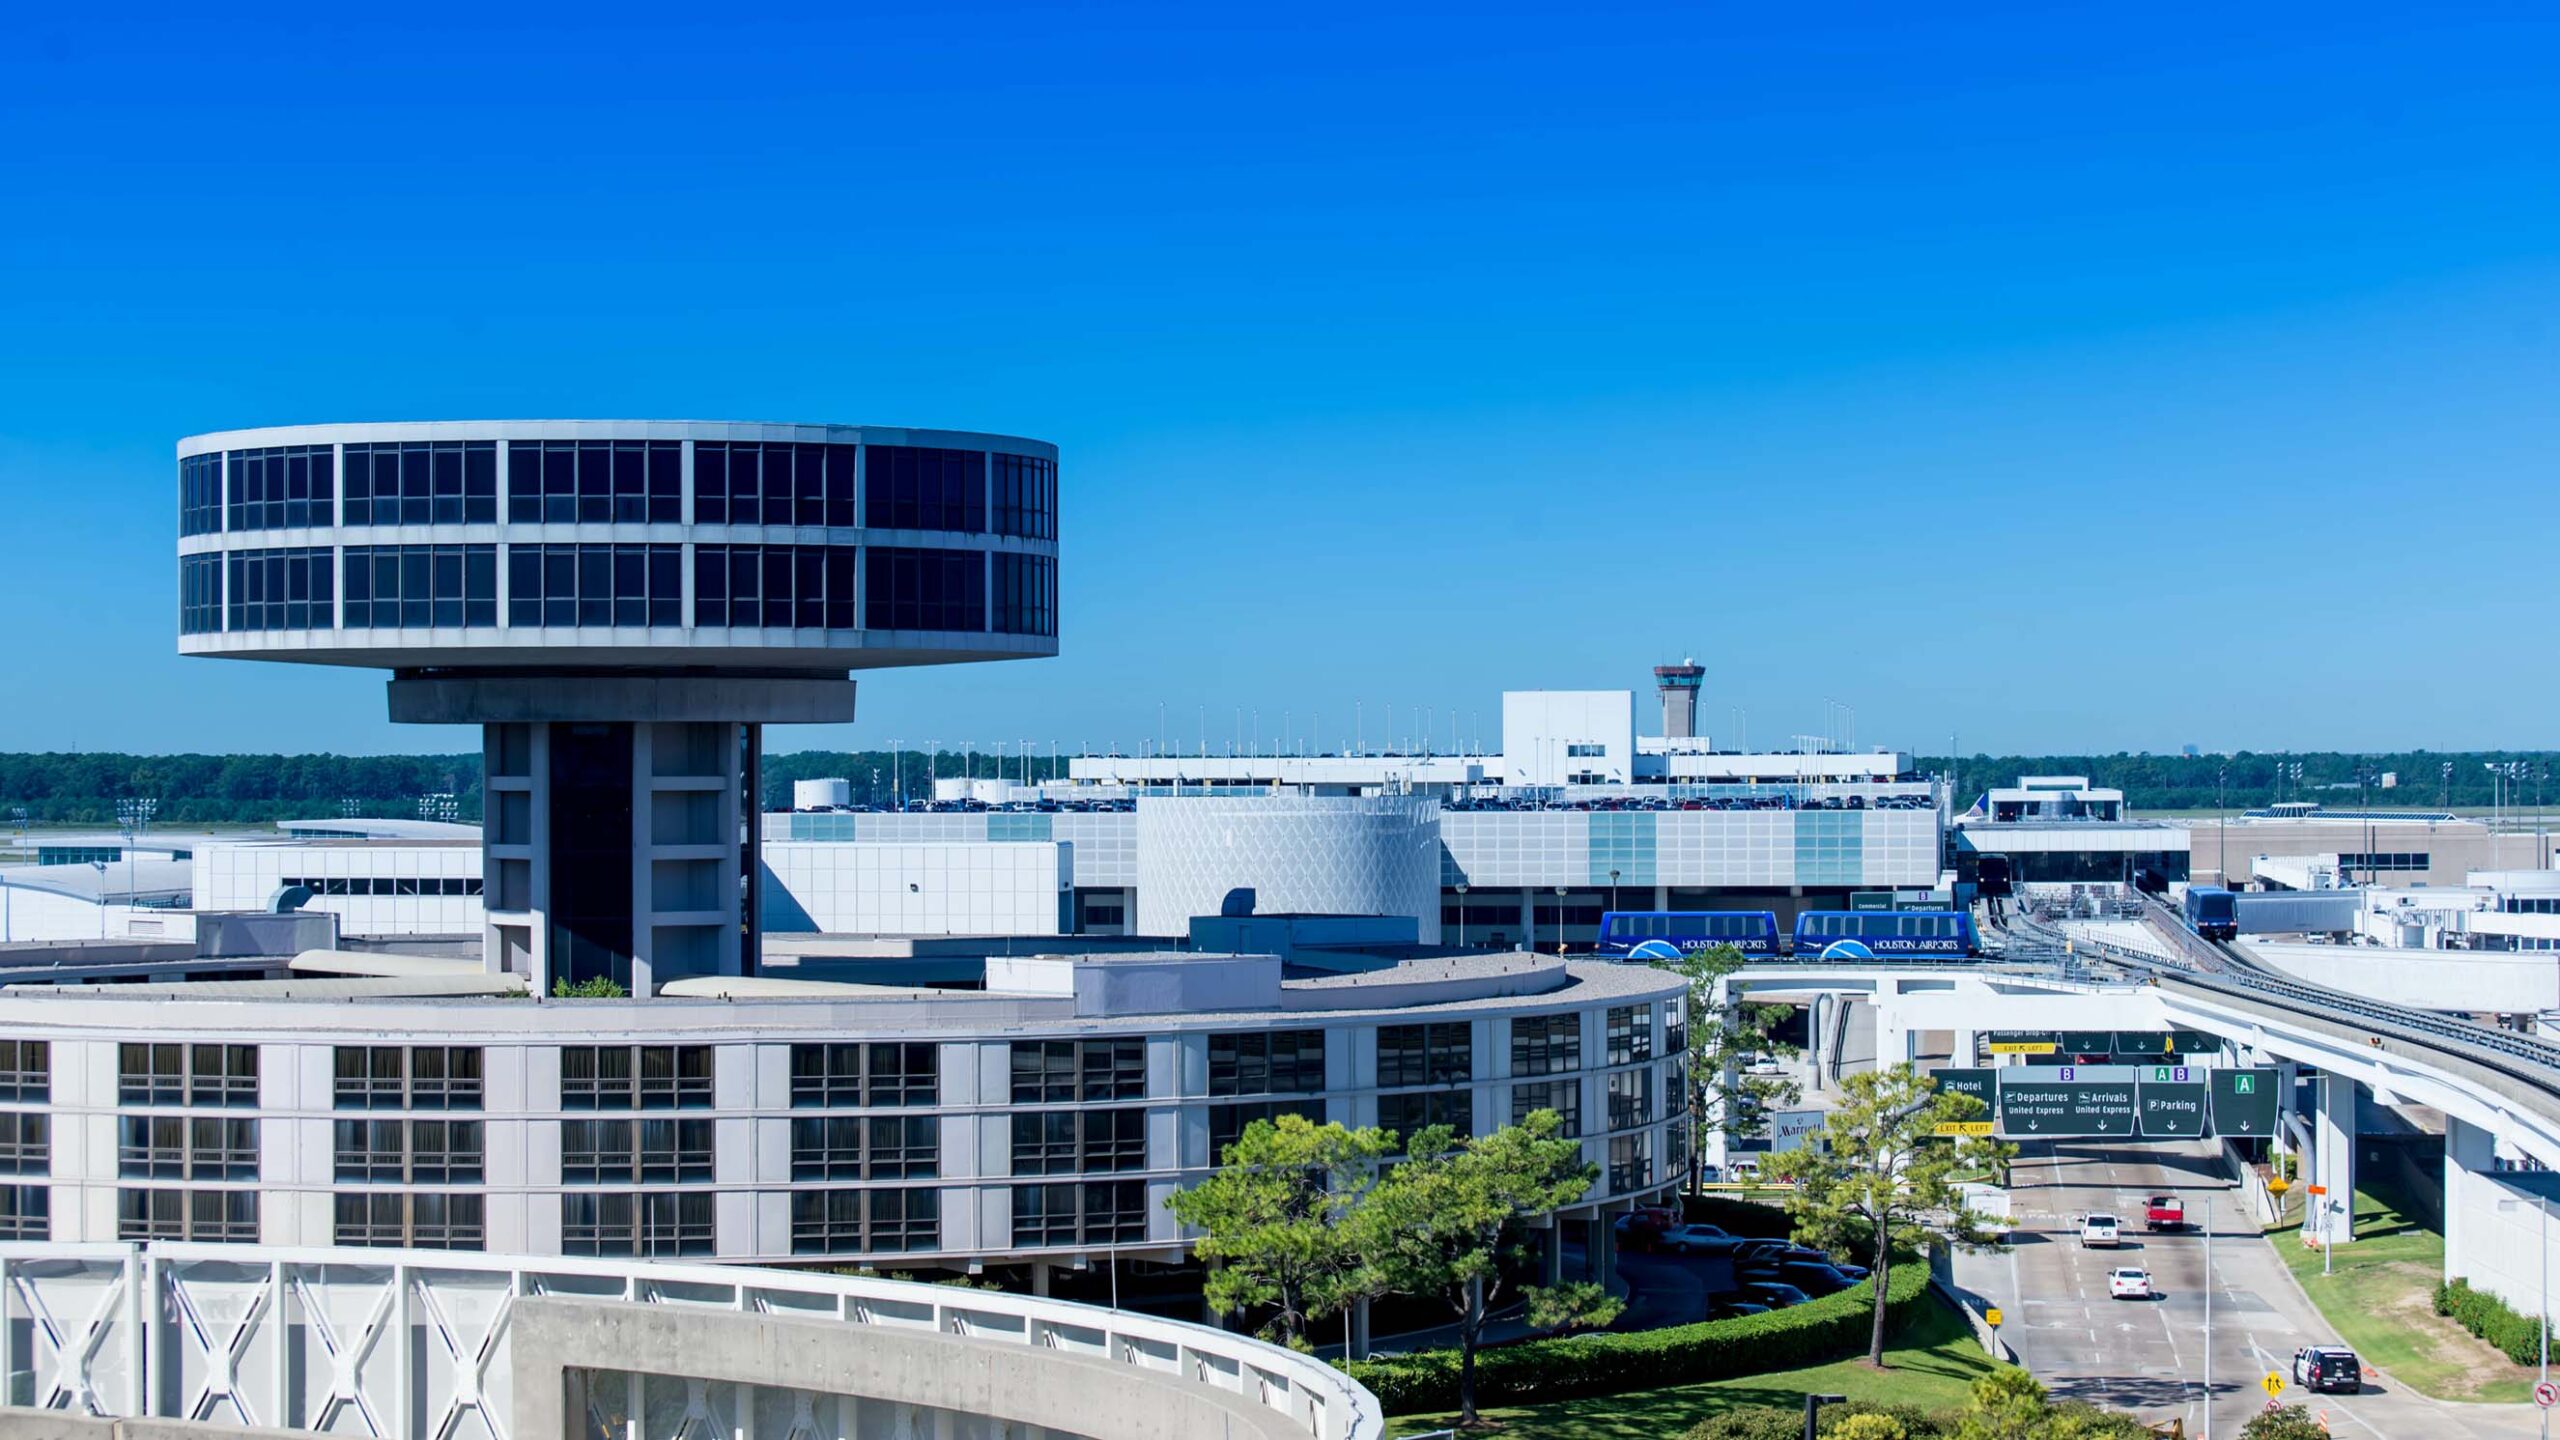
x,y
1666,934
1884,934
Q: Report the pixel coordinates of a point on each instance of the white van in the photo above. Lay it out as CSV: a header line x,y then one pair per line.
x,y
2099,1230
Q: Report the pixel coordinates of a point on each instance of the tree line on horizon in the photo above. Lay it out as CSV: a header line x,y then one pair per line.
x,y
59,788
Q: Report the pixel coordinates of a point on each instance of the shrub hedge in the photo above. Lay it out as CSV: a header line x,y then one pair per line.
x,y
1771,1422
1606,1363
2519,1337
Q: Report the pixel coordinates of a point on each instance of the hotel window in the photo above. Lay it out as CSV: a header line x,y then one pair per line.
x,y
772,483
1630,1162
1562,1096
412,1221
423,1077
199,594
1425,1054
26,1212
1266,1062
1630,1034
908,589
623,1223
1546,1044
186,1147
845,1075
1026,595
24,1144
26,1070
1026,496
1061,1072
281,590
425,1152
620,1152
1630,1098
827,1222
573,586
392,587
635,1077
595,482
780,587
908,487
283,487
215,1215
170,1073
1105,1212
1416,1110
1060,1142
857,1147
200,494
1227,1122
422,482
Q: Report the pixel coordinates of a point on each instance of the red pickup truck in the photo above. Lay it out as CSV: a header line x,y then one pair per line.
x,y
2164,1212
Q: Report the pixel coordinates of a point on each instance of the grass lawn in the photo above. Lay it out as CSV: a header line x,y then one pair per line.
x,y
2380,1301
1934,1361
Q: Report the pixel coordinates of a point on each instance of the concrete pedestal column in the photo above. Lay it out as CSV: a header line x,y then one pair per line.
x,y
2470,1157
1360,1328
2333,1157
1551,1261
1040,1278
1961,1049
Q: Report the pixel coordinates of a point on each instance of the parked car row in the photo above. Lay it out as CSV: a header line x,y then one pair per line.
x,y
1770,1274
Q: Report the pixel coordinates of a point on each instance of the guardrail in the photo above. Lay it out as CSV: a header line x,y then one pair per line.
x,y
414,1344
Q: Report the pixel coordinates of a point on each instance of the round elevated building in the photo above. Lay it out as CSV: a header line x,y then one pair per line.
x,y
621,606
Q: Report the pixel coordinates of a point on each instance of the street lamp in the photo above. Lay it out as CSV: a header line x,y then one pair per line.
x,y
1462,915
1613,889
1559,919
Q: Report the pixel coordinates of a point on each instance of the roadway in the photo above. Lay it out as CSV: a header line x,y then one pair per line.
x,y
2148,1357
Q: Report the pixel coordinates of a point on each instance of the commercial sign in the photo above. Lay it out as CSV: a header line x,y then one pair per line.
x,y
1976,1083
2246,1102
1787,1128
2068,1100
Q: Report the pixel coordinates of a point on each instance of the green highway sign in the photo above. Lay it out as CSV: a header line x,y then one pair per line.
x,y
2020,1042
1977,1083
2142,1042
2173,1102
2089,1042
2193,1042
2068,1100
2246,1102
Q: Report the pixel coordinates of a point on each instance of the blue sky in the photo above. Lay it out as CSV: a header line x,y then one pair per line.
x,y
2061,381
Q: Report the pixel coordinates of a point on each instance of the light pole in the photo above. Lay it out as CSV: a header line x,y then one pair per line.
x,y
2222,841
1462,915
2210,1315
1559,919
1613,889
102,897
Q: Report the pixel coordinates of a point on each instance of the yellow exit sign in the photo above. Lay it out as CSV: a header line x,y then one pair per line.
x,y
1964,1127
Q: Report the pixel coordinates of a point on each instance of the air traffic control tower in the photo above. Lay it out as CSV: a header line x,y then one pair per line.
x,y
621,606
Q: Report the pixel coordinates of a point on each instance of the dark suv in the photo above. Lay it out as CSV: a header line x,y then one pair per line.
x,y
2328,1368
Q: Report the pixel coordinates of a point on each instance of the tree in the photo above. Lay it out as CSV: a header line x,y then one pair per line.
x,y
1274,1218
1719,1035
1444,1219
1880,1173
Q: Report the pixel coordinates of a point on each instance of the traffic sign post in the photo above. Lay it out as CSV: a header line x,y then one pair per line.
x,y
2274,1385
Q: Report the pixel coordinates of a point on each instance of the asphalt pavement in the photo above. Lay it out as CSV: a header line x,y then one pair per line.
x,y
2150,1357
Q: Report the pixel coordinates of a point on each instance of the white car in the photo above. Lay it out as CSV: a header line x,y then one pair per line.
x,y
2129,1283
1764,1066
2100,1230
